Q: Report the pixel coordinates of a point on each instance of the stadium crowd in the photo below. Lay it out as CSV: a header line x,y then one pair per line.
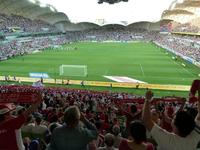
x,y
25,45
186,45
74,119
22,46
87,120
8,23
187,27
118,34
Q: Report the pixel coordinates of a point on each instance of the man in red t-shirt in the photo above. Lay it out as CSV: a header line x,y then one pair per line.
x,y
10,136
131,115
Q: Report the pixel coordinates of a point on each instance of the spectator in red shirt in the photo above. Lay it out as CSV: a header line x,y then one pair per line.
x,y
9,127
132,115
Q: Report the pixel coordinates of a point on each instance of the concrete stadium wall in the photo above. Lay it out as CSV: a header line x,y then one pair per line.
x,y
154,26
139,25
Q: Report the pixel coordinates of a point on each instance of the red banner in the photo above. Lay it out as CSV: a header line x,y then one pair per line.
x,y
20,97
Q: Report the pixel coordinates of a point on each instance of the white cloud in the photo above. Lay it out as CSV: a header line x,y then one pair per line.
x,y
90,10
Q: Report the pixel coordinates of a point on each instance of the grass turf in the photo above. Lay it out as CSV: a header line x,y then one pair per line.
x,y
141,61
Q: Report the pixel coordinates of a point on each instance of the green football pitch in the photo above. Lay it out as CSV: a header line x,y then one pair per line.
x,y
138,60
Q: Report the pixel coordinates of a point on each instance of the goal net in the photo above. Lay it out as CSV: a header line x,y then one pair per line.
x,y
73,70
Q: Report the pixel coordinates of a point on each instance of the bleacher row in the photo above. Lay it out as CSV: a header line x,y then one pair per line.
x,y
25,46
106,120
30,94
187,46
25,24
111,113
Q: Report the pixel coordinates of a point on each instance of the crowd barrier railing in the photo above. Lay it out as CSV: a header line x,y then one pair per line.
x,y
100,83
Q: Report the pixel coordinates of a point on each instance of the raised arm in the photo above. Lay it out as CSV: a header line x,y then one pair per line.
x,y
146,114
91,131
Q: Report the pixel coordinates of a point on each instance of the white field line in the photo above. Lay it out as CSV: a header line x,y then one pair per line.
x,y
113,78
188,72
127,79
123,79
184,69
142,70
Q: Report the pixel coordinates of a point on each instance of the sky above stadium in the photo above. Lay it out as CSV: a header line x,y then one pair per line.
x,y
91,11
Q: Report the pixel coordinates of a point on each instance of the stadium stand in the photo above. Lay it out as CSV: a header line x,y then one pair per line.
x,y
14,23
97,120
109,112
104,109
186,45
187,27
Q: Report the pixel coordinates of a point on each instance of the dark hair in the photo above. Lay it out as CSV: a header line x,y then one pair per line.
x,y
184,122
20,111
72,116
2,117
133,108
109,139
192,111
98,125
54,118
29,118
52,127
116,130
138,131
38,120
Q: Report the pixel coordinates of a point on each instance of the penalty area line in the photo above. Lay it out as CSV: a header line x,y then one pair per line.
x,y
142,70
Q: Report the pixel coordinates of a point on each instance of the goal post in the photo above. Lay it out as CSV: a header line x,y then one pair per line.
x,y
73,70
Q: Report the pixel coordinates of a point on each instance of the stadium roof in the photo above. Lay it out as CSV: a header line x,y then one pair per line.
x,y
192,6
176,12
188,4
33,10
88,24
183,12
91,11
112,26
194,10
181,16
